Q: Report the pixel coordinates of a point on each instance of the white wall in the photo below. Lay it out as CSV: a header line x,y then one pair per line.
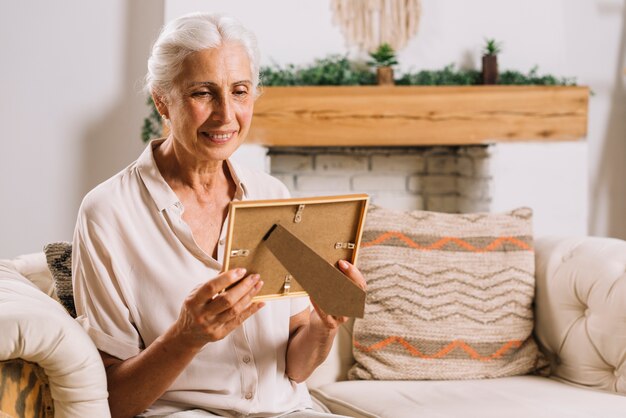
x,y
71,112
70,108
550,178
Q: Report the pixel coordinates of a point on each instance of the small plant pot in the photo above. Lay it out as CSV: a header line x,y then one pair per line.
x,y
384,76
490,69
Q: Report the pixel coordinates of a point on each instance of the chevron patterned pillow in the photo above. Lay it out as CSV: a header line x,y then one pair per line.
x,y
449,296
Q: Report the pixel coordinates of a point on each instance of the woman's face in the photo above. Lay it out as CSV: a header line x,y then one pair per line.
x,y
210,105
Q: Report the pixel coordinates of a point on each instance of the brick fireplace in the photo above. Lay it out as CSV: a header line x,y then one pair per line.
x,y
442,178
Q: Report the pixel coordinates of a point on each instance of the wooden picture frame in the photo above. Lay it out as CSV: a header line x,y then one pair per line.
x,y
325,230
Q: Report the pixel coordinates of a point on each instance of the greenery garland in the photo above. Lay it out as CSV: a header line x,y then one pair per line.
x,y
338,70
334,70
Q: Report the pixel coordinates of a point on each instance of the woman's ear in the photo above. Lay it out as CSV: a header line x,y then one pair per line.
x,y
160,104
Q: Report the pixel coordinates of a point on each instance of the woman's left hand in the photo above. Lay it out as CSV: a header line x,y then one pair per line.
x,y
331,322
312,333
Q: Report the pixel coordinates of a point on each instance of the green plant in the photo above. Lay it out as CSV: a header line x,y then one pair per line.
x,y
384,56
152,127
492,47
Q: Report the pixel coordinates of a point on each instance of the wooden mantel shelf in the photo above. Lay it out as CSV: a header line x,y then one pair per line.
x,y
416,115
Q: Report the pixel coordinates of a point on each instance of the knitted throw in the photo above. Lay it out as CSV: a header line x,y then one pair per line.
x,y
59,259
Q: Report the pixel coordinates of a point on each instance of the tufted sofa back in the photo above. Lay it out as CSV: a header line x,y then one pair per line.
x,y
580,312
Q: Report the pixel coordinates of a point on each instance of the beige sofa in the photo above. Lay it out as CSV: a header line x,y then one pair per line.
x,y
580,318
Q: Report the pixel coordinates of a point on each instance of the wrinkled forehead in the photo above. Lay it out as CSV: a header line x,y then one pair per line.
x,y
223,65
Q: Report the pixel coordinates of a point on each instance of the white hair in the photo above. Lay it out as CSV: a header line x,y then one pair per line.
x,y
191,33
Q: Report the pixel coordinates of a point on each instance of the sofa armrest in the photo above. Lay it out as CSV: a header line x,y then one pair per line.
x,y
37,329
35,268
580,309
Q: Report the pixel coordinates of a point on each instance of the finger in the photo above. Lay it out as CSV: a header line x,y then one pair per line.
x,y
243,303
243,316
329,320
231,297
209,289
353,273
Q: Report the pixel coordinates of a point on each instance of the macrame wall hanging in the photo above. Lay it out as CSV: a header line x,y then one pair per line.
x,y
367,24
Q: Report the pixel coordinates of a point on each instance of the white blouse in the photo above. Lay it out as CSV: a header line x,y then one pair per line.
x,y
135,261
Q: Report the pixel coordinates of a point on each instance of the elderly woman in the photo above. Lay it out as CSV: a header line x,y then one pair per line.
x,y
149,243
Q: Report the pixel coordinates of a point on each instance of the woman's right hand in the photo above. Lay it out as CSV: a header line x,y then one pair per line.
x,y
210,313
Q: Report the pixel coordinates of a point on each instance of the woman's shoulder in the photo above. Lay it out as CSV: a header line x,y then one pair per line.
x,y
112,193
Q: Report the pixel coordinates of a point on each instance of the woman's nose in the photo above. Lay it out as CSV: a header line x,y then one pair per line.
x,y
223,111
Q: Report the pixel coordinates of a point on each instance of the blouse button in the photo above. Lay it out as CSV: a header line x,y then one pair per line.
x,y
221,242
246,359
249,395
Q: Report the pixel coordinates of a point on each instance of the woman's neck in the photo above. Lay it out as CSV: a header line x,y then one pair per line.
x,y
184,172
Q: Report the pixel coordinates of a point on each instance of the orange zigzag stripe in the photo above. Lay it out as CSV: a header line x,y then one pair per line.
x,y
443,241
441,353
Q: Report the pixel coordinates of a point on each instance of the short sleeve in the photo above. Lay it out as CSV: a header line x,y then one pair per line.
x,y
299,304
100,300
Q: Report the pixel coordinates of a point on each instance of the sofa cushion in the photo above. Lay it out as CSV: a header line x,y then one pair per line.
x,y
59,258
449,296
511,397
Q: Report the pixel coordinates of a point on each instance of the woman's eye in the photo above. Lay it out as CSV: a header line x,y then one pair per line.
x,y
201,94
240,93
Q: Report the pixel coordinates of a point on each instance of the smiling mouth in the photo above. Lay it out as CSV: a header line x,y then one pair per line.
x,y
218,137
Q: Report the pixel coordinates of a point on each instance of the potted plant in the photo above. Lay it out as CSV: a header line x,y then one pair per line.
x,y
490,61
383,59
